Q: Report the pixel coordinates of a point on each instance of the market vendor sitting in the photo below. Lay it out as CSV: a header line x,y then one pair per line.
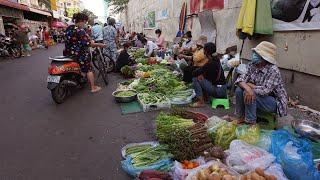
x,y
209,79
124,58
262,87
187,45
150,47
198,59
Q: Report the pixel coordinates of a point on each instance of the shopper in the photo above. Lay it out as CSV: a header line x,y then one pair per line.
x,y
77,46
209,79
110,38
97,32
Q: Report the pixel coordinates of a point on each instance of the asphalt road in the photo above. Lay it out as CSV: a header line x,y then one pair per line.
x,y
78,140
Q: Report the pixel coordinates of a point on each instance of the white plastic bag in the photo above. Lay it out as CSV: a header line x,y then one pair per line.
x,y
276,170
178,173
244,157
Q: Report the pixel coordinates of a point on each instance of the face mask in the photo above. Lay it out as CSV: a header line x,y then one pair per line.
x,y
256,58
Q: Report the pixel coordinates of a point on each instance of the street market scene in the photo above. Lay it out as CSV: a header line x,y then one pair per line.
x,y
160,89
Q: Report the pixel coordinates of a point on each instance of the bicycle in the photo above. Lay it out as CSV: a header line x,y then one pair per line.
x,y
102,63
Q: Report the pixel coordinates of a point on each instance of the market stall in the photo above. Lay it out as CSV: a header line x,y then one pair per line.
x,y
190,147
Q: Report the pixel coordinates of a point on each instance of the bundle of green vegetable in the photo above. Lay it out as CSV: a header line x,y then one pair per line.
x,y
162,80
150,156
127,71
141,60
137,149
152,98
186,139
139,53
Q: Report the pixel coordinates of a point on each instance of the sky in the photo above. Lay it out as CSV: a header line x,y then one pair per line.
x,y
96,6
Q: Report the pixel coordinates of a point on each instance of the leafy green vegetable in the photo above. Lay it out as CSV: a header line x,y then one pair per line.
x,y
127,71
125,94
139,53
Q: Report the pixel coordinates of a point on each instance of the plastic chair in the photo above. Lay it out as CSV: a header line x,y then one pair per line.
x,y
220,102
266,120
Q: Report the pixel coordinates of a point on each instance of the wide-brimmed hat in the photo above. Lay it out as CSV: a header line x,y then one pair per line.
x,y
202,40
267,51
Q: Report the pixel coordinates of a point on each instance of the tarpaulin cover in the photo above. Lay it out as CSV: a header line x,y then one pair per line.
x,y
194,6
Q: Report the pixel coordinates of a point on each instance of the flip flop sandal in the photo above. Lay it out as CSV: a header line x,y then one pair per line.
x,y
97,89
196,105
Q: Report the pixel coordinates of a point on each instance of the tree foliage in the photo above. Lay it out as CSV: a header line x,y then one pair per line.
x,y
91,16
118,5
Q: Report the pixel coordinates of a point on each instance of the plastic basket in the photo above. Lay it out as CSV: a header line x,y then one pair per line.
x,y
154,107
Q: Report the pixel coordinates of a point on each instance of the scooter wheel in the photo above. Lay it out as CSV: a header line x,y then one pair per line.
x,y
59,93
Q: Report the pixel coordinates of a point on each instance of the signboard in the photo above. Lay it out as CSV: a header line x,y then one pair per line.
x,y
291,15
150,20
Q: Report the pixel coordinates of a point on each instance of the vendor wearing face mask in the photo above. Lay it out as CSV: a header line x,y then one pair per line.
x,y
187,44
261,88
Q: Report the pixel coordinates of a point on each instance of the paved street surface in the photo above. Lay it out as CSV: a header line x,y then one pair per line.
x,y
78,140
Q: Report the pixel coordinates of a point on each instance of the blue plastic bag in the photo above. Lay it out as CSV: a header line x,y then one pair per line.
x,y
161,165
294,155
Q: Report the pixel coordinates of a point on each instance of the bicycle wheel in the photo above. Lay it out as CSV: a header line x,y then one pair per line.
x,y
110,65
103,71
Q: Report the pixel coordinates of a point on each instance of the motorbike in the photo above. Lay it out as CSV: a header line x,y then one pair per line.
x,y
8,48
64,76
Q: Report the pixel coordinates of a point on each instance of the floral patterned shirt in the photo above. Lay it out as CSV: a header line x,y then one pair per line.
x,y
77,43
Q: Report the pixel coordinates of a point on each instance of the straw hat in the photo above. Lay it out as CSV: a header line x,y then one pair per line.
x,y
267,51
202,40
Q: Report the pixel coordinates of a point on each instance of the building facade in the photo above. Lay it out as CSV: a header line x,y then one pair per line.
x,y
297,53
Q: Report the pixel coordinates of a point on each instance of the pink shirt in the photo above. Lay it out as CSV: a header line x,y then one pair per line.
x,y
161,42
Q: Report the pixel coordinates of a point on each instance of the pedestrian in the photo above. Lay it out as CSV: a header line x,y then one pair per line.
x,y
209,79
97,32
22,38
262,87
46,37
150,46
77,45
110,38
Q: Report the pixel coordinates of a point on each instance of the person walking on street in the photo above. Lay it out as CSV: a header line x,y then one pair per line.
x,y
77,46
97,32
46,37
110,38
22,38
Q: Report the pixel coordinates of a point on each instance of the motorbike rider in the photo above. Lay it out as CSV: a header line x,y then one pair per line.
x,y
97,32
77,46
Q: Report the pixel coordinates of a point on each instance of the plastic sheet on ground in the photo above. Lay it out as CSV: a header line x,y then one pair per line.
x,y
127,166
295,156
245,157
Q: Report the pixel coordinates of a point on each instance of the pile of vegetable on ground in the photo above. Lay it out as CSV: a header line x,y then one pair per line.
x,y
185,138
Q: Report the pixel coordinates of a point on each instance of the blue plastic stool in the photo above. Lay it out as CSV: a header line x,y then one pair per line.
x,y
220,102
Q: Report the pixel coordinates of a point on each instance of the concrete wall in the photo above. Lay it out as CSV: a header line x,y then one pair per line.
x,y
302,55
